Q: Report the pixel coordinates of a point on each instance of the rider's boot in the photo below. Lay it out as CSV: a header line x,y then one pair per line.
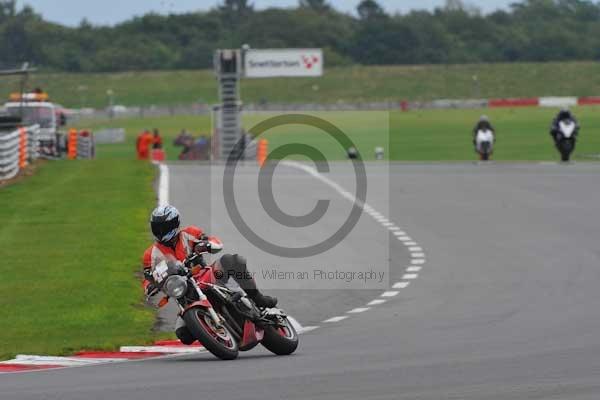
x,y
249,285
261,300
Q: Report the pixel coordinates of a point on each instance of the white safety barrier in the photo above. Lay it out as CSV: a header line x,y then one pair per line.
x,y
17,148
557,102
110,135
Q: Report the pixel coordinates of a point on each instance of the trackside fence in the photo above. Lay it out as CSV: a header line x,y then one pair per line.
x,y
18,148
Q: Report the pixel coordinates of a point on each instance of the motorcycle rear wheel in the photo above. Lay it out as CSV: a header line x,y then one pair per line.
x,y
218,340
281,340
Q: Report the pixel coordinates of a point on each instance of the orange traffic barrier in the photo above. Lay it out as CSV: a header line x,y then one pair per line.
x,y
22,148
262,150
72,145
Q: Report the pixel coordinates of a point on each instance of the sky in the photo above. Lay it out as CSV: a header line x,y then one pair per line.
x,y
109,12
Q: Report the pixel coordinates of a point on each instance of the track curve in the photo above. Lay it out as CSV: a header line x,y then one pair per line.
x,y
507,307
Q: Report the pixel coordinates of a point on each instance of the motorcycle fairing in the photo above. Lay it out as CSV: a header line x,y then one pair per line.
x,y
567,128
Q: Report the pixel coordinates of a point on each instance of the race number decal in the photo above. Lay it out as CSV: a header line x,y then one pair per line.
x,y
160,272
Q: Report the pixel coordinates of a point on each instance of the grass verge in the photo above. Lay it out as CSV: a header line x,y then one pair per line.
x,y
72,237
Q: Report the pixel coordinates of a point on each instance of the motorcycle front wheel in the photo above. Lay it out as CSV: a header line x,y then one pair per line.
x,y
216,339
281,340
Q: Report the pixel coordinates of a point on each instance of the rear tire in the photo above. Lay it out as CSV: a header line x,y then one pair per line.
x,y
219,341
282,341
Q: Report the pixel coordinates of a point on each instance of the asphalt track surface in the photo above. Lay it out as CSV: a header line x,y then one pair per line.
x,y
507,306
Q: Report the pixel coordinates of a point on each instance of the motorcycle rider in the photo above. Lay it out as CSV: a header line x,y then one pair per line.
x,y
175,243
483,124
563,115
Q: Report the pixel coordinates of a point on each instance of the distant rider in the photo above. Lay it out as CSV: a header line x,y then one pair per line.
x,y
483,124
175,244
563,115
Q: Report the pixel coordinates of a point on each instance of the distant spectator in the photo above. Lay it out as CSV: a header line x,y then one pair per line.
x,y
183,139
138,145
144,142
157,142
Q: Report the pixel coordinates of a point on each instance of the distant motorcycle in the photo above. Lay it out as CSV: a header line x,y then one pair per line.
x,y
222,320
484,143
565,139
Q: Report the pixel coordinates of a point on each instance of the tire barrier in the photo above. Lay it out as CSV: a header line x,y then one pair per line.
x,y
18,148
80,145
86,147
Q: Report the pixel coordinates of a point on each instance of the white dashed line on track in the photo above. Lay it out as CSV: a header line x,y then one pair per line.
x,y
359,310
417,254
308,329
335,319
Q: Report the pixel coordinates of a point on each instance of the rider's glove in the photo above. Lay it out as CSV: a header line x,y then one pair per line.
x,y
150,289
208,244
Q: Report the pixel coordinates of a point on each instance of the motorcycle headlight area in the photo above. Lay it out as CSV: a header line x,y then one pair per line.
x,y
175,286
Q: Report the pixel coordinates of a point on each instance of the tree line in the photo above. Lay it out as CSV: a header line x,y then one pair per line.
x,y
530,30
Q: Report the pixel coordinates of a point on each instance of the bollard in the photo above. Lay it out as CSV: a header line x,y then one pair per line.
x,y
72,145
262,150
22,148
379,153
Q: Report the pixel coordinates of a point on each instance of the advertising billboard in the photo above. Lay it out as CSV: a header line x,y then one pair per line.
x,y
283,63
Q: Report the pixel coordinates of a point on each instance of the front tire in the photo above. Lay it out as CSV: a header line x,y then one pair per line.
x,y
566,148
216,339
281,340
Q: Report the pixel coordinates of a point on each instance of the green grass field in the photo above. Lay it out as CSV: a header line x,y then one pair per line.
x,y
72,237
431,135
348,84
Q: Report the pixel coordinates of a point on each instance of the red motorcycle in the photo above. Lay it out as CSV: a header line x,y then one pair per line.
x,y
224,321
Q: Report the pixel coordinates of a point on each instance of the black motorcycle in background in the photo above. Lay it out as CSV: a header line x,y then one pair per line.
x,y
564,132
